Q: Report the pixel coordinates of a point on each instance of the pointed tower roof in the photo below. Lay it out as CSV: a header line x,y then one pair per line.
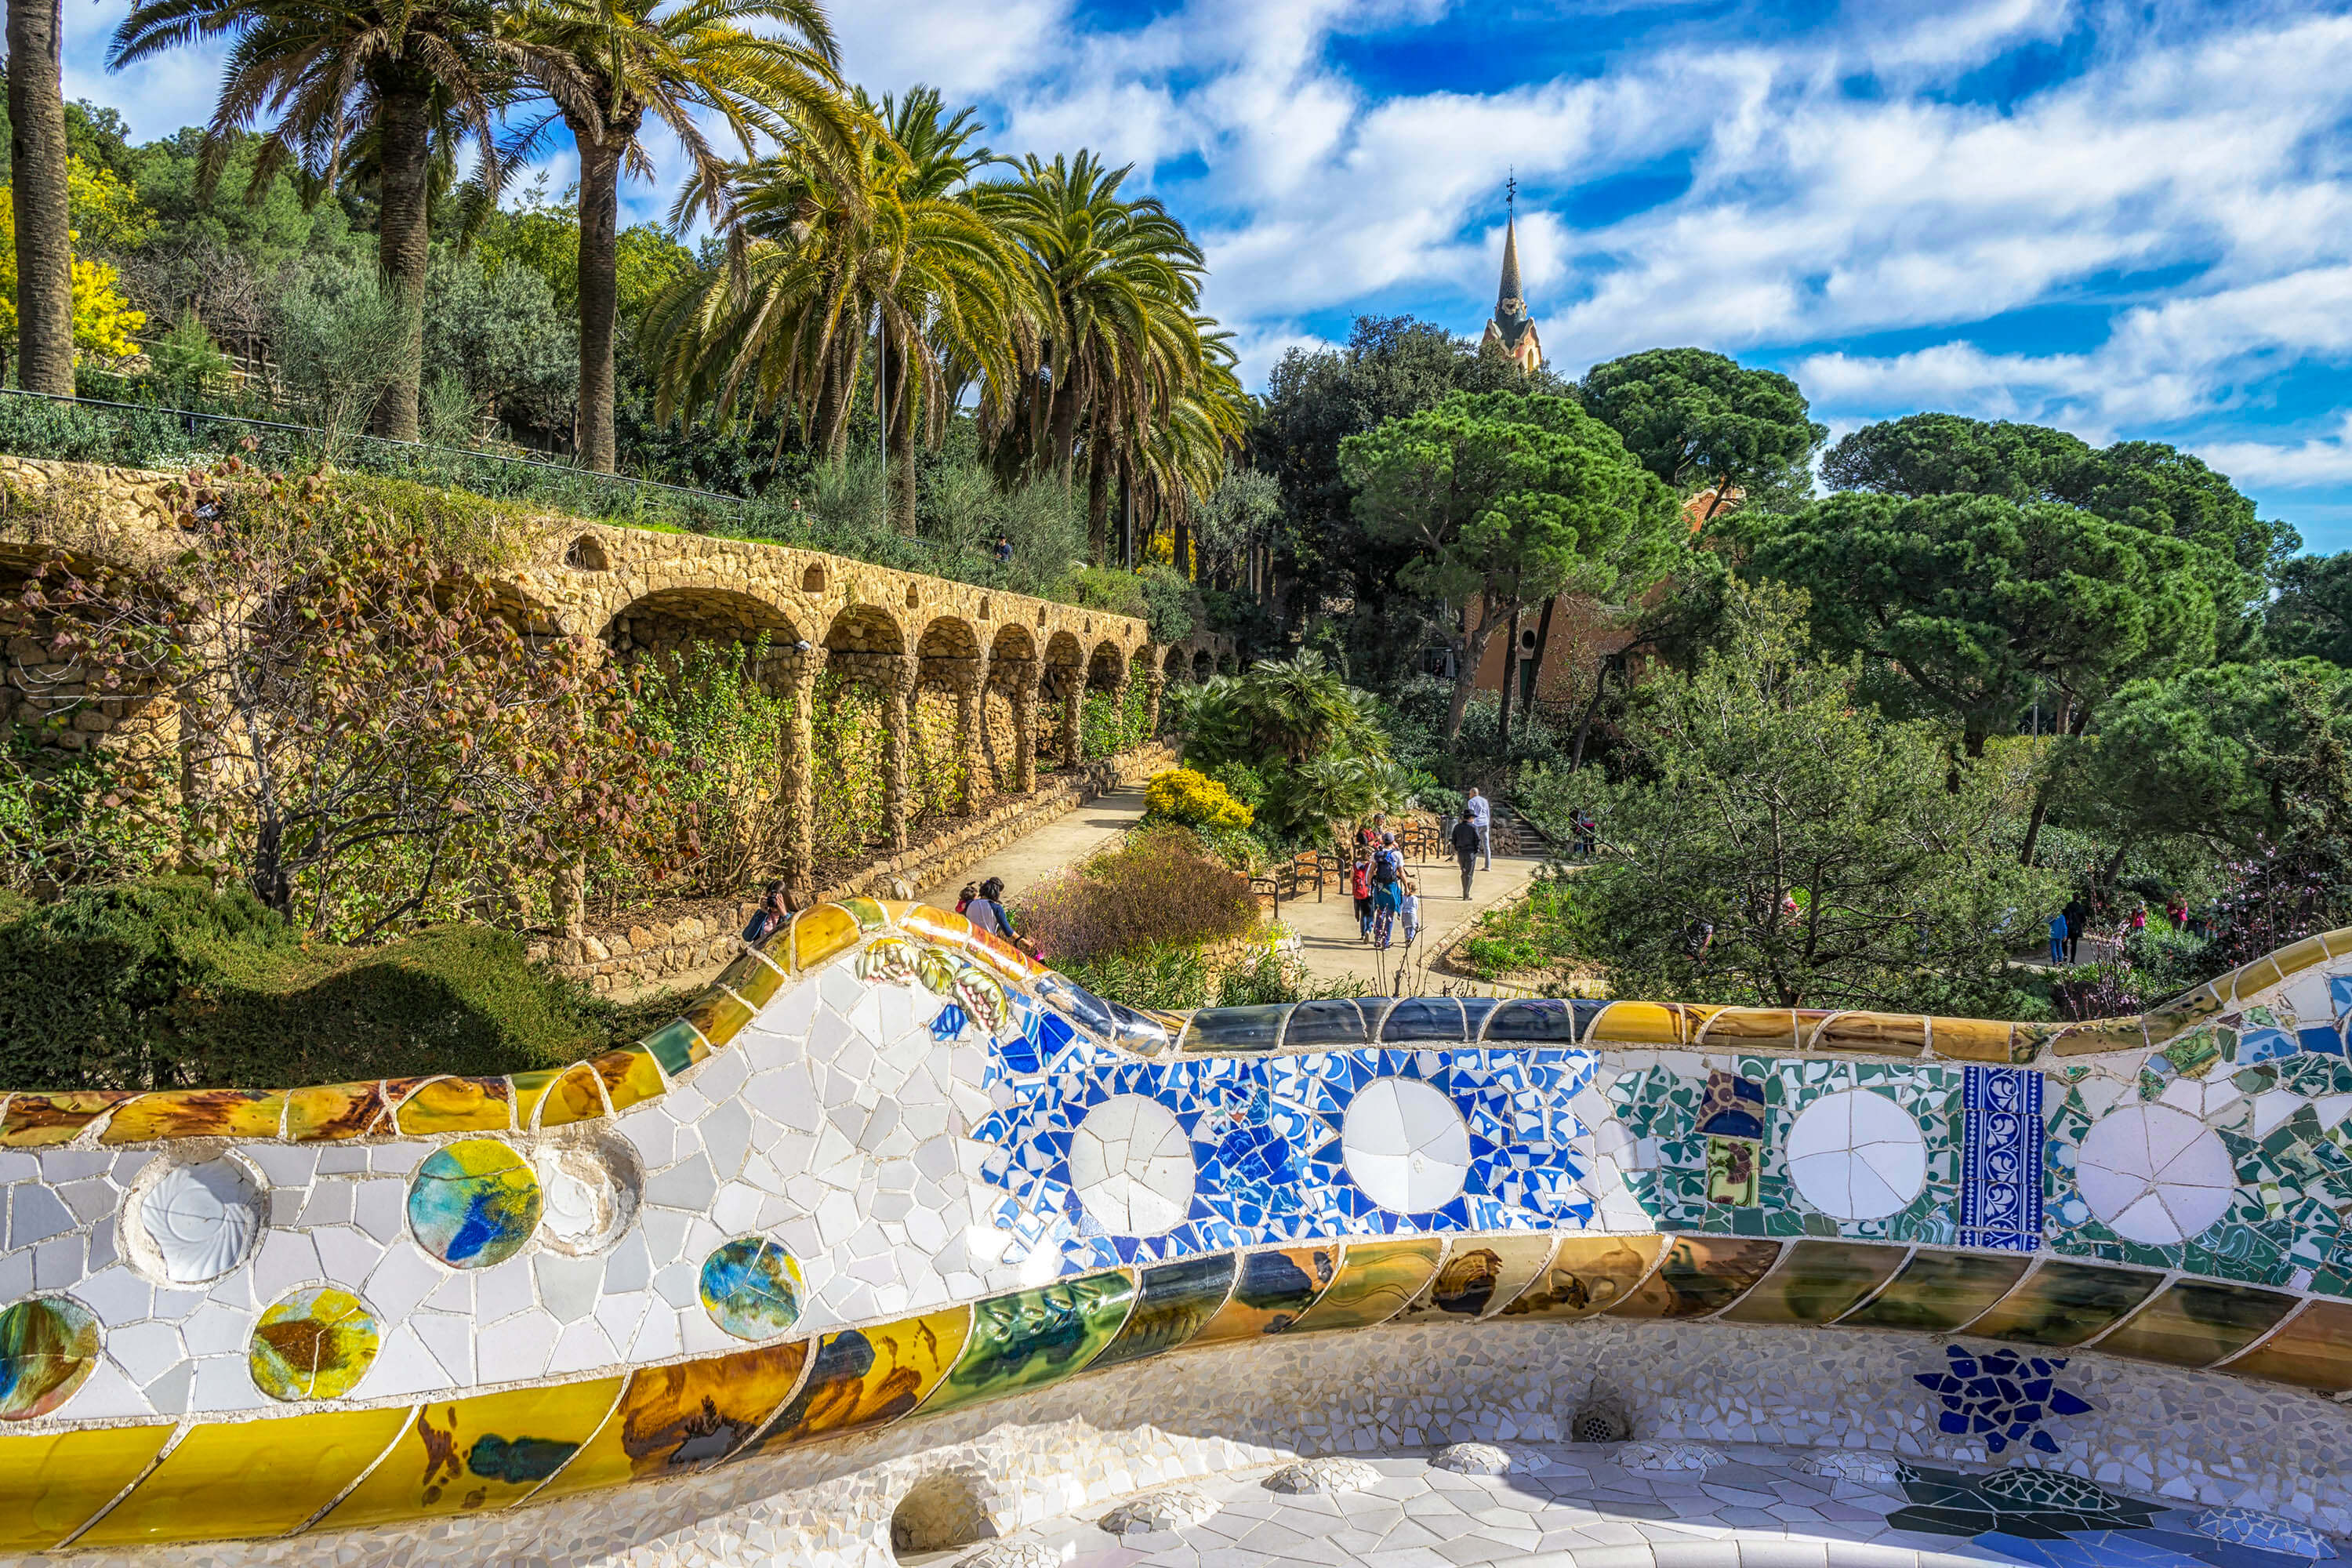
x,y
1508,301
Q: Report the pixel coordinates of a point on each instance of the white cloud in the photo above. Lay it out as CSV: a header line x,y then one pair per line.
x,y
2323,461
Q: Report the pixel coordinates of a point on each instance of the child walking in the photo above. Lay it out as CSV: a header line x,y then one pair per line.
x,y
1361,884
1410,912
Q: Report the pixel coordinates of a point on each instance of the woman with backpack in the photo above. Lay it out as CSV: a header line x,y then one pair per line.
x,y
1388,891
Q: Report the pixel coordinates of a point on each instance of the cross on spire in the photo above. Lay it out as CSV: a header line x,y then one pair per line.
x,y
1511,189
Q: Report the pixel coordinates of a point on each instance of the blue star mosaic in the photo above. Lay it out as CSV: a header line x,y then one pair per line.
x,y
2000,1397
2000,1161
1264,1135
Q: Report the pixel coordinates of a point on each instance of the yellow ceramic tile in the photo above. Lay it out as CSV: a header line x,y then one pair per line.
x,y
821,932
37,1121
629,1076
1480,1276
867,913
752,978
1763,1028
867,1377
1273,1289
237,1479
2247,983
1873,1033
51,1484
331,1112
1699,1274
2298,956
1818,1282
1974,1040
2181,1015
718,1017
197,1113
1637,1023
465,1456
458,1105
2196,1323
2313,1351
940,925
2106,1035
1587,1274
2064,1303
576,1094
1376,1279
676,1419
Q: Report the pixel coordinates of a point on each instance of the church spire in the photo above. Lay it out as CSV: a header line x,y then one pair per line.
x,y
1511,329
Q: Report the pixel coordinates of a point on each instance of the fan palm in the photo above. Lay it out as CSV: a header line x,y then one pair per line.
x,y
607,66
324,72
904,248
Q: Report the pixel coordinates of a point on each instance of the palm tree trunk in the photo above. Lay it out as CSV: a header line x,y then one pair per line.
x,y
405,239
600,209
900,404
37,161
1098,503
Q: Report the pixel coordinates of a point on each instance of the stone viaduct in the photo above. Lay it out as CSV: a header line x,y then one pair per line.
x,y
641,590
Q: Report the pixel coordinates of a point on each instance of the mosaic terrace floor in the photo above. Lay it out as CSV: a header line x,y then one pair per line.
x,y
1576,1506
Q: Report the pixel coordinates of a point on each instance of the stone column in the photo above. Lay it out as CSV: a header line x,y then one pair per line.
x,y
1070,748
896,672
569,895
1155,682
1023,690
971,718
801,670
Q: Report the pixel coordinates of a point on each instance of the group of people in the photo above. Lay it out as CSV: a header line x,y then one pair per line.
x,y
2067,926
1385,894
982,903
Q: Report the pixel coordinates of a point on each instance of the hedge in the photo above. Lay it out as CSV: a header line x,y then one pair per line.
x,y
168,985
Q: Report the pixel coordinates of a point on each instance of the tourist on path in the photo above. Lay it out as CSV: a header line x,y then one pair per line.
x,y
1360,886
1482,816
2078,921
1410,910
987,913
2058,938
1388,890
1466,840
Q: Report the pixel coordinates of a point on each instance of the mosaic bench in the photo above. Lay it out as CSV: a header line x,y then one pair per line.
x,y
886,1170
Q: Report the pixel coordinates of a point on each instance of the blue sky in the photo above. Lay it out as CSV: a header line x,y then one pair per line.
x,y
2130,220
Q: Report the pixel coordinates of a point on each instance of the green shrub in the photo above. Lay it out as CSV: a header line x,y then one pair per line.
x,y
1154,888
167,985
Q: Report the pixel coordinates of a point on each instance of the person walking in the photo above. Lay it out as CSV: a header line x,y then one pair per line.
x,y
1466,840
1388,891
2058,938
1360,884
1482,816
2078,921
1409,913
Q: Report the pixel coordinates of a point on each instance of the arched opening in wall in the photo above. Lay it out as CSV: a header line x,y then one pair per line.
x,y
946,660
1064,678
1204,664
587,554
939,1512
865,649
1176,667
1012,653
813,580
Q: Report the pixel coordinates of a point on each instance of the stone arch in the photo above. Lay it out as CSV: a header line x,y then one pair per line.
x,y
1204,664
1176,667
942,1511
525,611
586,554
1106,668
668,618
1064,659
1011,643
947,643
864,628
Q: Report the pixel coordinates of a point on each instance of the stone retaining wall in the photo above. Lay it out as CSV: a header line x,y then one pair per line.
x,y
689,936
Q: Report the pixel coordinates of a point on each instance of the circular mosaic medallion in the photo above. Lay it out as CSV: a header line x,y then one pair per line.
x,y
198,1221
1857,1155
474,1203
1131,1165
316,1343
2155,1174
1405,1145
591,1194
752,1288
48,1347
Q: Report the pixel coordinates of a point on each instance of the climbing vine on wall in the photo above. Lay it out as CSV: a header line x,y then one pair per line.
x,y
935,763
846,767
722,820
1109,724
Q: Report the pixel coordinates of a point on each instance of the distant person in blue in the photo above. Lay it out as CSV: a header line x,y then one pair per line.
x,y
2058,934
772,913
1003,551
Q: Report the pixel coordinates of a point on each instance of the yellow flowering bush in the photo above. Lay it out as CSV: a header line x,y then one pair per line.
x,y
1194,799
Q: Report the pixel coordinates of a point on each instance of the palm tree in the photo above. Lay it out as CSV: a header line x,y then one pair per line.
x,y
326,72
1117,282
607,65
897,243
36,111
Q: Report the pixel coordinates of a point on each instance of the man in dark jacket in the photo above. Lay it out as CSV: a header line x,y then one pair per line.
x,y
1465,839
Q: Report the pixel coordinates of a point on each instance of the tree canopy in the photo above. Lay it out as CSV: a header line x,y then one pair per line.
x,y
1703,421
2312,614
1505,499
1974,600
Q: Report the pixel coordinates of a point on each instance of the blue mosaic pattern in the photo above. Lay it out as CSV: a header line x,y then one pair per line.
x,y
2000,1397
1266,1139
2000,1164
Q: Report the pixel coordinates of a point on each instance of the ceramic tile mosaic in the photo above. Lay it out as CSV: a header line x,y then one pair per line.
x,y
892,1181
